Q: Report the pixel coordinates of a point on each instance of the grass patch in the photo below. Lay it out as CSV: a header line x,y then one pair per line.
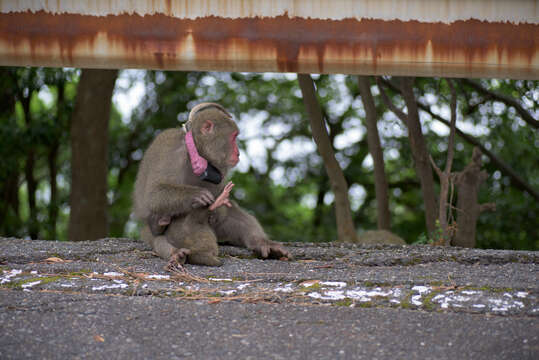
x,y
364,304
344,302
371,284
79,273
405,302
427,300
20,283
311,288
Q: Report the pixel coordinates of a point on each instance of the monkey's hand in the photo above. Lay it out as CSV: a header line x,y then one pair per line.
x,y
223,199
265,248
202,198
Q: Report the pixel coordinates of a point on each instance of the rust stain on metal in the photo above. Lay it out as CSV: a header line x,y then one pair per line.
x,y
282,43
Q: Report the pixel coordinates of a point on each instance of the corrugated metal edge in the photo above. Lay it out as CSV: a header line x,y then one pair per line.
x,y
445,11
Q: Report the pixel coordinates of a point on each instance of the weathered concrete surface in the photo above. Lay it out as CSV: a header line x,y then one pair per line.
x,y
112,299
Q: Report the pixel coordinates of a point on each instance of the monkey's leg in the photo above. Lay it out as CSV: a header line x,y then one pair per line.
x,y
235,226
161,246
199,238
204,249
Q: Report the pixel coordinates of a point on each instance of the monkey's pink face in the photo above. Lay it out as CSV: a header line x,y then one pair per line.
x,y
234,156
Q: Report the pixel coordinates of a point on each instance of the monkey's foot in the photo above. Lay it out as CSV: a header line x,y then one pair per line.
x,y
177,259
204,259
272,250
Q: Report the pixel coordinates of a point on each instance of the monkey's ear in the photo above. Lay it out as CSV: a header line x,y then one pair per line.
x,y
207,127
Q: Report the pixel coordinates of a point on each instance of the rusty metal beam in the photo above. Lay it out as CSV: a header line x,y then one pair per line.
x,y
455,38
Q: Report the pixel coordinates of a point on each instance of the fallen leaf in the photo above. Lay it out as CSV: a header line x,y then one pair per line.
x,y
217,301
54,259
99,338
306,261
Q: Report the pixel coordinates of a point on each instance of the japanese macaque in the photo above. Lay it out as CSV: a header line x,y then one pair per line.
x,y
181,196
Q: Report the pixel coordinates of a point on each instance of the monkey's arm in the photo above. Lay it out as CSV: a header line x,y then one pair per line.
x,y
175,200
235,226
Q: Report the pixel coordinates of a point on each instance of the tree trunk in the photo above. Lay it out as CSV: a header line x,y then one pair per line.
x,y
345,226
31,183
445,204
10,174
468,182
420,154
417,144
53,204
375,148
89,166
9,205
53,166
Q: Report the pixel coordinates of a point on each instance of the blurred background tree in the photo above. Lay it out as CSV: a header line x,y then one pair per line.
x,y
281,177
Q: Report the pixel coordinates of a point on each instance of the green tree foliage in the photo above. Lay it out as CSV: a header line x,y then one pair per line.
x,y
37,104
281,178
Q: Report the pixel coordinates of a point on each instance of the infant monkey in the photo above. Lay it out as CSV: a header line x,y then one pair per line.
x,y
181,196
159,223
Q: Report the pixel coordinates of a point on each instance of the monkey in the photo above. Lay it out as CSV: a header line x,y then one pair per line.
x,y
181,197
192,236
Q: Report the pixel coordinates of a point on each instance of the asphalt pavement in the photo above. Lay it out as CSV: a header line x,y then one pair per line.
x,y
113,299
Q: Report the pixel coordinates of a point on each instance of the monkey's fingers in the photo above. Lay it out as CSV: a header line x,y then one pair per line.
x,y
226,191
222,199
208,198
228,187
262,251
277,251
204,198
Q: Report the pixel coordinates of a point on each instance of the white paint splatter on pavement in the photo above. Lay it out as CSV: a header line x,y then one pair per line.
x,y
339,284
8,274
113,273
113,286
158,277
328,295
30,284
286,289
227,292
